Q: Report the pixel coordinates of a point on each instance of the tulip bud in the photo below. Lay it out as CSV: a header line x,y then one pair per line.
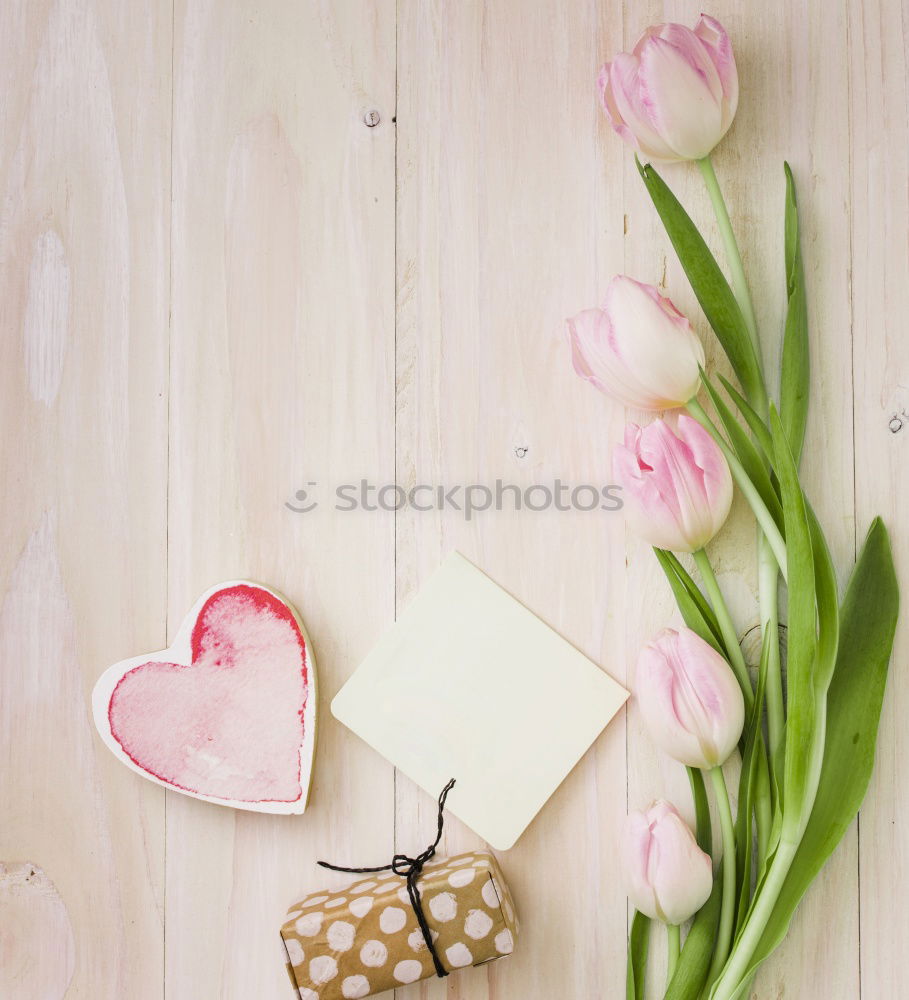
x,y
674,96
668,877
638,348
689,698
677,488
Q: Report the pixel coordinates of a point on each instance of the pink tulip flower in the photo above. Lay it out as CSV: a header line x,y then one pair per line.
x,y
668,877
677,488
638,348
689,698
673,97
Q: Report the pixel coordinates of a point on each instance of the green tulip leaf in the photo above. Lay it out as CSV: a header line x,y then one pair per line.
x,y
708,283
703,830
694,960
794,382
802,637
868,618
753,756
747,453
757,426
696,612
637,956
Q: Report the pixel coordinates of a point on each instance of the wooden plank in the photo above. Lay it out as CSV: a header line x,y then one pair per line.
x,y
880,295
84,148
506,226
281,360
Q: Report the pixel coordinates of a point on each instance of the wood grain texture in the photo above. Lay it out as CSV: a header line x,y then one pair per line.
x,y
496,241
281,373
219,288
85,156
879,164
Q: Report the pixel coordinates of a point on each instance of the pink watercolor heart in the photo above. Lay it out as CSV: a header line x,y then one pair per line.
x,y
231,722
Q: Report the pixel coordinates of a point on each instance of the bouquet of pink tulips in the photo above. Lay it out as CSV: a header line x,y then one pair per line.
x,y
806,745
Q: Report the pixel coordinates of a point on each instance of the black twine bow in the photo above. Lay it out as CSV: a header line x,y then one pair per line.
x,y
410,868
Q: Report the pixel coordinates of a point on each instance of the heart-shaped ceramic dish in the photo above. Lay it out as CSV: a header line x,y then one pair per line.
x,y
227,713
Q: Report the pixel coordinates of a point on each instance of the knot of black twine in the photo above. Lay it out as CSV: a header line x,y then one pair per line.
x,y
410,869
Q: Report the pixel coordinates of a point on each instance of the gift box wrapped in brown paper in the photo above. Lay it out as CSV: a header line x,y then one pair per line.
x,y
366,939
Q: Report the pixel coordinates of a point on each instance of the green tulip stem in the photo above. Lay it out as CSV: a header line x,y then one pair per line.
x,y
749,491
733,255
762,906
675,947
768,570
727,908
727,628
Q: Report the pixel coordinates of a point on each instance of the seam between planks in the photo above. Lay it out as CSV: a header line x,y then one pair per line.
x,y
170,326
394,394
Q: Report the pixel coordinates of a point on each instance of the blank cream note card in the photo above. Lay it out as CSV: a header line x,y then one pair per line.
x,y
468,684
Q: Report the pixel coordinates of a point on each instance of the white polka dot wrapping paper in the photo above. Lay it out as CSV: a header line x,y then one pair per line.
x,y
365,939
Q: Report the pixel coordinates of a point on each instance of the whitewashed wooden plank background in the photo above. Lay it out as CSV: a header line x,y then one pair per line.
x,y
219,285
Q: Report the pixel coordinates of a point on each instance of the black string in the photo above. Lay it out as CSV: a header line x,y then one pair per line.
x,y
410,868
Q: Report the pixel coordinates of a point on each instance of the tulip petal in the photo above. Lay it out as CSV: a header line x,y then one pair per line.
x,y
651,31
651,336
721,705
610,107
681,873
594,358
583,331
680,482
654,686
638,348
668,877
677,496
709,458
695,700
622,97
632,437
689,698
713,35
636,863
646,509
679,100
697,54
